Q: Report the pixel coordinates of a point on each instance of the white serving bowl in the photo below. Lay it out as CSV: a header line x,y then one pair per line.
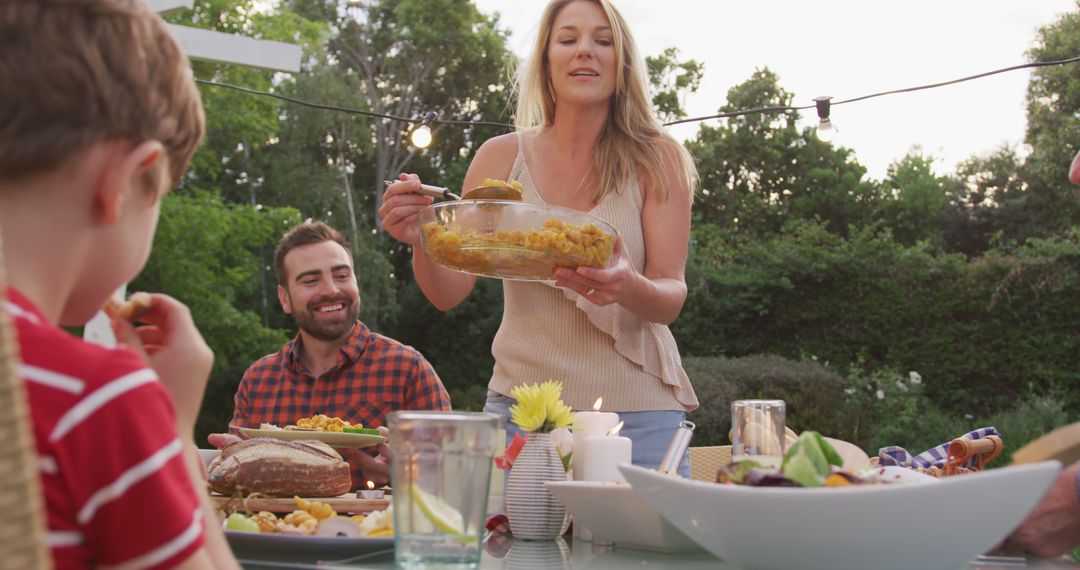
x,y
614,512
940,525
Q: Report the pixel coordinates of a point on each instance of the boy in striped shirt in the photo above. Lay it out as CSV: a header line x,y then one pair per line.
x,y
99,117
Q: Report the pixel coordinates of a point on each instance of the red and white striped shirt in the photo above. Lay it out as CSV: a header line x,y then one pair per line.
x,y
117,494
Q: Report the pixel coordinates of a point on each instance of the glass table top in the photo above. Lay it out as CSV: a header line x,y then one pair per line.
x,y
510,554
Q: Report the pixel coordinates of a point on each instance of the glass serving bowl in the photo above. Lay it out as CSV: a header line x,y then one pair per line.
x,y
513,240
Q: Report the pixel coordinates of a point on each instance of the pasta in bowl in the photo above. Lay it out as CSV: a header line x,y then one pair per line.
x,y
514,240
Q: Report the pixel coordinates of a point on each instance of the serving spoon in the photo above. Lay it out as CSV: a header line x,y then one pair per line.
x,y
478,193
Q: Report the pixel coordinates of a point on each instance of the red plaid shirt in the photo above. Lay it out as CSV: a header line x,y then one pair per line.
x,y
374,376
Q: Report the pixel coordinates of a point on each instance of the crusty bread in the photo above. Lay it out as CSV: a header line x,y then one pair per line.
x,y
279,468
136,306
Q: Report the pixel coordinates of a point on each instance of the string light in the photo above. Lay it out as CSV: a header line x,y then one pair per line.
x,y
421,136
430,118
826,132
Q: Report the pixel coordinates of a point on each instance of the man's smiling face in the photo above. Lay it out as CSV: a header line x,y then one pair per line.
x,y
321,292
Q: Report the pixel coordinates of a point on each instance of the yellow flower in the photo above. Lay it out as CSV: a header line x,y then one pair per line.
x,y
540,407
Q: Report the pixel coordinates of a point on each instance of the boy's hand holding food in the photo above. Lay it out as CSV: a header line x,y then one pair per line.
x,y
174,349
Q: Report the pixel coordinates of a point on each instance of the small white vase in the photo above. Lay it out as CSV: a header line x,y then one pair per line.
x,y
534,513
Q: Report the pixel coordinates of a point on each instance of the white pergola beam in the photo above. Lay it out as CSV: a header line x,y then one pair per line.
x,y
226,48
168,6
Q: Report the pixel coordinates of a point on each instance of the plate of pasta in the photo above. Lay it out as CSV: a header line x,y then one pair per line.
x,y
331,438
514,240
335,432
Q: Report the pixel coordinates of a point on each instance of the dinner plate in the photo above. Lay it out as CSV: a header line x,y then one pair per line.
x,y
269,545
331,438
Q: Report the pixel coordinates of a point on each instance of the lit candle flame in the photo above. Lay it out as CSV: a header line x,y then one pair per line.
x,y
615,430
599,402
370,485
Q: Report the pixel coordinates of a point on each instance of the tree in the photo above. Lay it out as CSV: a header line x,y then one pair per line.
x,y
672,81
916,200
759,171
238,124
401,58
986,198
1053,131
411,57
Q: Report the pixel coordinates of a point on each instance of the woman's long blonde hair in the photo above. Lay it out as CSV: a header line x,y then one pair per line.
x,y
633,142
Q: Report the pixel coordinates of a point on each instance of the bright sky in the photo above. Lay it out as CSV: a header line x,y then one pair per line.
x,y
850,48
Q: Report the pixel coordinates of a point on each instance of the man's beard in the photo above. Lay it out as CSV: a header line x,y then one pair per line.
x,y
327,330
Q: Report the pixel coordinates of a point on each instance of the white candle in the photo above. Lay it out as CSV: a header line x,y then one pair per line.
x,y
605,453
589,424
371,492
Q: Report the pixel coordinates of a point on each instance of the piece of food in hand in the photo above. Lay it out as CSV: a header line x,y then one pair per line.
x,y
136,306
279,468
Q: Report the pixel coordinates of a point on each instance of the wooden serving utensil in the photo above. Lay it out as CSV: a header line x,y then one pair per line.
x,y
1062,444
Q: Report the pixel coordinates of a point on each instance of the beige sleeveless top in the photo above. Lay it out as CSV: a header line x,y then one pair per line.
x,y
551,333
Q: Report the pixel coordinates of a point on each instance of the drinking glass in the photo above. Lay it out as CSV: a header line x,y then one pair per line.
x,y
441,468
757,431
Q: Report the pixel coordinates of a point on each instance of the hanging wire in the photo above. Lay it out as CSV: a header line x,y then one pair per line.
x,y
777,109
770,109
341,109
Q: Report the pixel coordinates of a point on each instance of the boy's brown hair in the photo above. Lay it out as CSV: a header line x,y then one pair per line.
x,y
307,233
77,72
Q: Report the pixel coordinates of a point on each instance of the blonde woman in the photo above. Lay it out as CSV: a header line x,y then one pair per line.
x,y
587,139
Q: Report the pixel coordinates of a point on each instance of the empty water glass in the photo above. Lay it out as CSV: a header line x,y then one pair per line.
x,y
757,431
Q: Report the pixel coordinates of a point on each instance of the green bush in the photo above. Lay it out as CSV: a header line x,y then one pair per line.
x,y
1032,417
982,328
885,408
812,392
469,398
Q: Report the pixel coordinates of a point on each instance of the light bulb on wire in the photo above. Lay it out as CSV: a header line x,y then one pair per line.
x,y
421,136
826,132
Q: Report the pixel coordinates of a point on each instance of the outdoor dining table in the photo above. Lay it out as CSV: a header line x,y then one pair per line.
x,y
578,555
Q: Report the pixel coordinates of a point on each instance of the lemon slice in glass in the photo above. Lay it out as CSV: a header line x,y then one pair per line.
x,y
445,518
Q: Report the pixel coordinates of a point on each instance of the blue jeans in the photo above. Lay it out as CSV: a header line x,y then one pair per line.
x,y
650,431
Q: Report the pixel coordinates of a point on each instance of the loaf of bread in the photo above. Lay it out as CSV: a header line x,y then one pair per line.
x,y
278,468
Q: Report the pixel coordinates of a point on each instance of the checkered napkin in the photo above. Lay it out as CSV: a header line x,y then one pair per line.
x,y
933,457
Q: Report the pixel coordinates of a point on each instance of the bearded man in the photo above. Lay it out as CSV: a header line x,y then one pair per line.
x,y
334,365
